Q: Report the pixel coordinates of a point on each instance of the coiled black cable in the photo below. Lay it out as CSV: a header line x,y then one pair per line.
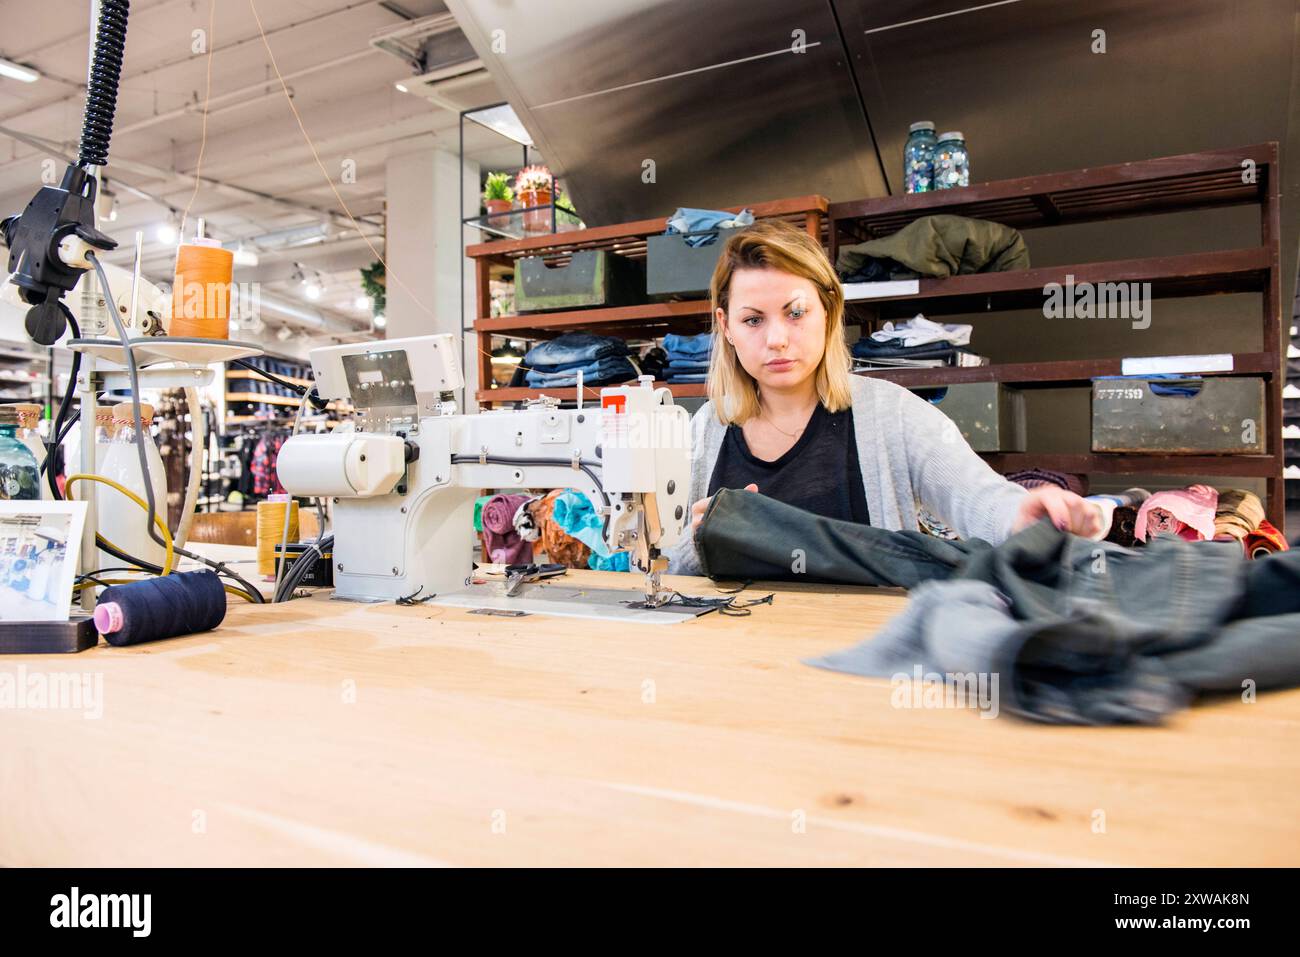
x,y
101,83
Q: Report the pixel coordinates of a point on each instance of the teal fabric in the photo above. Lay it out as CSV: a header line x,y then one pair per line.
x,y
575,515
618,562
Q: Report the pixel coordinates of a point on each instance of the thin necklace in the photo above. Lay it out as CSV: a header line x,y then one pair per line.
x,y
789,435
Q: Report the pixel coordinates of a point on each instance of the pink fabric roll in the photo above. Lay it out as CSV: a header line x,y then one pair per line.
x,y
1185,512
504,543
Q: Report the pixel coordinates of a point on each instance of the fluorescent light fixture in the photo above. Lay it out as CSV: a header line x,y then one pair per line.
x,y
16,71
503,120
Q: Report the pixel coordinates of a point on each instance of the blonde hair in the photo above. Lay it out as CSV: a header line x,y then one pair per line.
x,y
774,244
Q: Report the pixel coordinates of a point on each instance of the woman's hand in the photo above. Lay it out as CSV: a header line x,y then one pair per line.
x,y
1068,511
700,507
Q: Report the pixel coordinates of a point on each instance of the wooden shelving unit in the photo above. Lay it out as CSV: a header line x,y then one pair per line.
x,y
1215,178
630,322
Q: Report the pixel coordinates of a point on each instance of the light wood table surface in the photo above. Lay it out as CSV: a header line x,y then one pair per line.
x,y
320,732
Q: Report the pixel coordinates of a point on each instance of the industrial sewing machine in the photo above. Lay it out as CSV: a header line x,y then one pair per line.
x,y
403,485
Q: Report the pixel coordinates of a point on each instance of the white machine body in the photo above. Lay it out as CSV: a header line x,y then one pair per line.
x,y
403,486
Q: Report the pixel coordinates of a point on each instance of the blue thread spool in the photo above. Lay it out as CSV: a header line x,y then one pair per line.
x,y
178,604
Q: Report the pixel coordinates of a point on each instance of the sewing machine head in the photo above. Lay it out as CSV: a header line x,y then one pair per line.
x,y
404,484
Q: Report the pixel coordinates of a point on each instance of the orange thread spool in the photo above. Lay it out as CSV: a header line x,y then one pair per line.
x,y
201,295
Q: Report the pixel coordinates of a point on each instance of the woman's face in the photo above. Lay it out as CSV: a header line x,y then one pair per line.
x,y
777,324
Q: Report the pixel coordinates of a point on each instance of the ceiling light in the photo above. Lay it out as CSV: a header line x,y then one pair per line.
x,y
401,87
16,71
361,302
284,334
166,233
313,290
380,321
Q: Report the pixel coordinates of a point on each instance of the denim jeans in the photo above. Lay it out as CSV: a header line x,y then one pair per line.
x,y
574,347
688,365
611,369
688,347
686,377
750,536
1079,632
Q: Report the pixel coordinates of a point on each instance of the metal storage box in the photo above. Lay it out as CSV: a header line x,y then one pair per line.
x,y
674,269
592,277
990,415
1226,415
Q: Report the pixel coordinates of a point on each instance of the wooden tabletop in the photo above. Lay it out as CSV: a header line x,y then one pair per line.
x,y
319,732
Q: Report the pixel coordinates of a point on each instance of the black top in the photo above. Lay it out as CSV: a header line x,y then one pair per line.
x,y
820,472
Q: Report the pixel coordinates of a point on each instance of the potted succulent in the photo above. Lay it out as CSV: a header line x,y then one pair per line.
x,y
497,194
533,189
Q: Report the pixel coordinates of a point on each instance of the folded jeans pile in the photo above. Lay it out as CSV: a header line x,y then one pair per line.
x,y
688,357
557,362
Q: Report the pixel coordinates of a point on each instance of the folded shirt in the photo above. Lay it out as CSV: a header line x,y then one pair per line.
x,y
705,222
919,331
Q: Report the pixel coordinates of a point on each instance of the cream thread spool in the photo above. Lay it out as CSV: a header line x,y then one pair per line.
x,y
270,531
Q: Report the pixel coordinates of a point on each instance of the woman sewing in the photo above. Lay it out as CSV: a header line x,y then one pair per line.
x,y
787,418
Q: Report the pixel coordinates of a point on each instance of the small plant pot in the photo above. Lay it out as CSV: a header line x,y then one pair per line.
x,y
496,206
536,220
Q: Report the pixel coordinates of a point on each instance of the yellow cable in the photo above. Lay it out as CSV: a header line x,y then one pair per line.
x,y
166,534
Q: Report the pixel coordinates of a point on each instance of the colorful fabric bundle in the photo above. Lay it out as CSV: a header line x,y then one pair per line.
x,y
560,547
1187,513
503,541
1264,541
1239,513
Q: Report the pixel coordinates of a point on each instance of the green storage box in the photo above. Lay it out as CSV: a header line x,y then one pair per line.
x,y
1226,416
676,270
592,277
990,415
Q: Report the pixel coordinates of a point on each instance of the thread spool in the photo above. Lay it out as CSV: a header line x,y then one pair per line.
x,y
201,294
270,531
178,604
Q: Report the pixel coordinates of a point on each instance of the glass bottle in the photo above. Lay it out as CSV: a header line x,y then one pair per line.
x,y
918,158
19,470
122,522
951,162
29,417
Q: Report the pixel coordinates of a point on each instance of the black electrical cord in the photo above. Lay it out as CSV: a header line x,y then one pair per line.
x,y
309,391
65,403
101,82
301,566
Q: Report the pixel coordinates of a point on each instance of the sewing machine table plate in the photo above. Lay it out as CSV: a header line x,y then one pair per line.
x,y
567,600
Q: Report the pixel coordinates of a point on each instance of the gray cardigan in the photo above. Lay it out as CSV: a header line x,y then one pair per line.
x,y
911,455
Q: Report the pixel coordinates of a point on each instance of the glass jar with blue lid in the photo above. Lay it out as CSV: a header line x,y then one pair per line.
x,y
19,472
918,158
951,161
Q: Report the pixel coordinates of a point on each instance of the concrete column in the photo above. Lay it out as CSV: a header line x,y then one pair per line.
x,y
425,251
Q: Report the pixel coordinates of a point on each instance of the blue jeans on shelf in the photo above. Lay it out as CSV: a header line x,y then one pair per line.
x,y
687,377
688,365
611,369
574,347
688,347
